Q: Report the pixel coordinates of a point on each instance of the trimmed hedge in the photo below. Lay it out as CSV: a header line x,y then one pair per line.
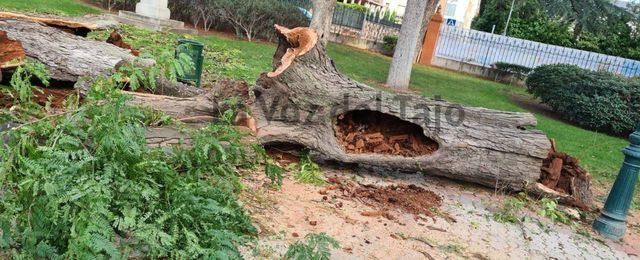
x,y
600,101
355,7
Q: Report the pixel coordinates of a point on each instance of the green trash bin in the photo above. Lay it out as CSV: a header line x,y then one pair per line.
x,y
195,50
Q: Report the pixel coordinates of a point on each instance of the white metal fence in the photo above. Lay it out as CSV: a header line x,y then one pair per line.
x,y
484,49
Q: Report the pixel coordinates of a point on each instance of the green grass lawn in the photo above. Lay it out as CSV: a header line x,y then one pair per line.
x,y
58,7
255,57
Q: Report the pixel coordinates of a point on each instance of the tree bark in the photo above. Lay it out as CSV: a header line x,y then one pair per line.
x,y
308,102
176,107
77,28
66,56
189,106
322,17
406,49
429,11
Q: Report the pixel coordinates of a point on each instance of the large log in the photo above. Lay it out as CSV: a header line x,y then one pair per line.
x,y
202,106
187,104
308,102
77,59
77,28
67,56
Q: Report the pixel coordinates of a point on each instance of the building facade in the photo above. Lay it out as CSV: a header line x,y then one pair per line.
x,y
399,6
456,12
460,12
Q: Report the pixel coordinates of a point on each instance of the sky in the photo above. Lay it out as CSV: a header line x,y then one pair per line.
x,y
623,3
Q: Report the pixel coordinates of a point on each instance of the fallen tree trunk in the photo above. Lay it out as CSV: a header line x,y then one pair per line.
x,y
202,106
307,102
164,87
192,105
77,28
66,56
71,58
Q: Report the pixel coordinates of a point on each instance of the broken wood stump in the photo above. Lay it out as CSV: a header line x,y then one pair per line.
x,y
562,178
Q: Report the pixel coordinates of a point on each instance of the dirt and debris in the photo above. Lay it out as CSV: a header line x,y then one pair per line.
x,y
116,39
405,198
562,173
282,217
42,96
284,154
375,132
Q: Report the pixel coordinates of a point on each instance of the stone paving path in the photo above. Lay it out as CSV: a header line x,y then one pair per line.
x,y
465,228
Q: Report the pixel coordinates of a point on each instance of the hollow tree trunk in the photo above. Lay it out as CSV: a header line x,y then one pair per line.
x,y
313,105
66,56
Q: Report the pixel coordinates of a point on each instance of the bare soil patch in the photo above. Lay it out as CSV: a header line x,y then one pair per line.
x,y
405,198
284,154
375,132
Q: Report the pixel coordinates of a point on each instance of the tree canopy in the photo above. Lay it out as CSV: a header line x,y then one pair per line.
x,y
592,25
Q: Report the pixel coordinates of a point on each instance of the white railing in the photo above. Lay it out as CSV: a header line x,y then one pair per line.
x,y
485,49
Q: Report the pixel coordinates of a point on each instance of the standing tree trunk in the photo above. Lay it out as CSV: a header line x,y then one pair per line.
x,y
322,16
402,63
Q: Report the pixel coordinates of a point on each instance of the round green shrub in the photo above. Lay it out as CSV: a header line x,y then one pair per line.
x,y
390,42
596,100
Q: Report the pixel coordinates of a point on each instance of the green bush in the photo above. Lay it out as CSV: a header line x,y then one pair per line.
x,y
519,70
83,184
390,42
356,7
599,101
249,19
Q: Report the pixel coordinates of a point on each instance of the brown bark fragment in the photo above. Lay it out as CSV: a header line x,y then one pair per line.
x,y
116,39
301,39
563,174
553,173
11,52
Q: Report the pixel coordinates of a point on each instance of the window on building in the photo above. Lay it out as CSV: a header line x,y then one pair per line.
x,y
450,11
